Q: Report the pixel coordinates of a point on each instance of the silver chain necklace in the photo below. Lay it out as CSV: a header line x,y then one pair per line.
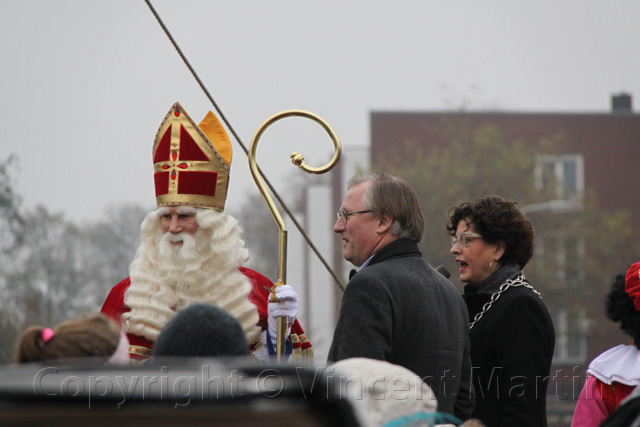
x,y
518,281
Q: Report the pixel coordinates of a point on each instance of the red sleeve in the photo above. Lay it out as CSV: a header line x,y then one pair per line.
x,y
114,306
260,297
613,394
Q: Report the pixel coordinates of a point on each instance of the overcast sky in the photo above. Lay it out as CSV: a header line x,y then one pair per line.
x,y
85,84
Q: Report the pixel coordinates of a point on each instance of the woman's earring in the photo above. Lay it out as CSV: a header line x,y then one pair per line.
x,y
491,265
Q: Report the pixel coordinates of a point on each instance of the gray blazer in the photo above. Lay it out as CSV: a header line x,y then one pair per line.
x,y
401,310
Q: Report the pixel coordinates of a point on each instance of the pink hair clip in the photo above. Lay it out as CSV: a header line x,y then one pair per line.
x,y
47,333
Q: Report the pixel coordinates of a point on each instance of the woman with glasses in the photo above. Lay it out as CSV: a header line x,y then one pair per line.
x,y
511,332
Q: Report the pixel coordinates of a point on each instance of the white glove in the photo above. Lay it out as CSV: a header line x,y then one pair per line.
x,y
285,305
261,351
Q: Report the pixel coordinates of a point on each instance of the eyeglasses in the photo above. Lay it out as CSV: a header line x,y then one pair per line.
x,y
462,239
344,215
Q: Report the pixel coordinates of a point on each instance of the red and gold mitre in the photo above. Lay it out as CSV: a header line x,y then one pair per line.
x,y
191,163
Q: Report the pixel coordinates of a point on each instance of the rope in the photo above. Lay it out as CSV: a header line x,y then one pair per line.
x,y
244,148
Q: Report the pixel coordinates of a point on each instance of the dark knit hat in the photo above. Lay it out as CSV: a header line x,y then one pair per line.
x,y
201,330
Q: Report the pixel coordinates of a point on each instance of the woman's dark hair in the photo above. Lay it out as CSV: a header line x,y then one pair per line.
x,y
497,219
619,308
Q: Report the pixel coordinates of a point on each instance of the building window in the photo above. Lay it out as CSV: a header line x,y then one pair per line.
x,y
571,337
562,177
563,255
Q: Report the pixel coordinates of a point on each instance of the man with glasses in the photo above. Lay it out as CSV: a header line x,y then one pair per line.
x,y
396,307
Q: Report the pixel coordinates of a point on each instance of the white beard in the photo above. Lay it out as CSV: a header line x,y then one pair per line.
x,y
166,278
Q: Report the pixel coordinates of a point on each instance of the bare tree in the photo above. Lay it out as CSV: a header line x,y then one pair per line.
x,y
11,222
52,270
261,231
110,246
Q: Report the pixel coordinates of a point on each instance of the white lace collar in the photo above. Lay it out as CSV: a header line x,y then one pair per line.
x,y
620,364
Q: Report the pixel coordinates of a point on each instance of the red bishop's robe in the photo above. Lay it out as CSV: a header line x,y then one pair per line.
x,y
140,348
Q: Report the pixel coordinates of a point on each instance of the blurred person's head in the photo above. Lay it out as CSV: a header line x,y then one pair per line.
x,y
383,392
93,335
201,330
486,234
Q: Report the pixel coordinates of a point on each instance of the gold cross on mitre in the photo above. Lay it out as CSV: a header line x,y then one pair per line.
x,y
191,163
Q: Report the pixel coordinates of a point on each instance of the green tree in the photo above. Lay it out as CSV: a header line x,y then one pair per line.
x,y
474,162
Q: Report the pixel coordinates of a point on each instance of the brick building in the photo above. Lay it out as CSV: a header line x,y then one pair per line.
x,y
599,154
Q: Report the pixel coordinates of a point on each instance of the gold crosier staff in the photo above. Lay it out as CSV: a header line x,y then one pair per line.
x,y
298,160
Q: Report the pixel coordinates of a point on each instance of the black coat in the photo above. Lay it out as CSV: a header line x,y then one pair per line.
x,y
399,309
511,352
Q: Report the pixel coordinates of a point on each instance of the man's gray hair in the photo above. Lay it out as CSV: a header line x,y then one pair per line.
x,y
395,197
